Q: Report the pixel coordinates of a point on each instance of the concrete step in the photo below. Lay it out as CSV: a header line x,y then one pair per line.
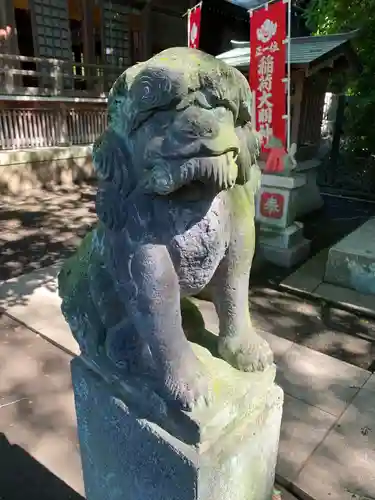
x,y
351,262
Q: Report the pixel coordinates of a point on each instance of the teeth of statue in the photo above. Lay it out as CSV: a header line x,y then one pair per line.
x,y
191,171
221,174
209,170
230,168
183,175
215,174
225,183
229,175
205,170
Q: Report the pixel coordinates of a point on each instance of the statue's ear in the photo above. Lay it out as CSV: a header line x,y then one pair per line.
x,y
112,163
111,160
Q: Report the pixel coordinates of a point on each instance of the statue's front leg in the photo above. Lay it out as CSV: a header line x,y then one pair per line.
x,y
149,287
239,344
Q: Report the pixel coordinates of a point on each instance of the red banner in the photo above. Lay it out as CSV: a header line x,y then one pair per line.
x,y
5,32
194,26
268,34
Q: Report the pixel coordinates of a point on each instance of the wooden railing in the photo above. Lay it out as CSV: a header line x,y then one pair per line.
x,y
21,75
60,125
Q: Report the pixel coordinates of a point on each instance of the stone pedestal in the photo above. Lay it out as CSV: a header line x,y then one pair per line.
x,y
281,240
285,247
134,447
351,262
309,198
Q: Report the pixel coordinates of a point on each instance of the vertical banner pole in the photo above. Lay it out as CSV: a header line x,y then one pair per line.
x,y
253,93
189,27
289,74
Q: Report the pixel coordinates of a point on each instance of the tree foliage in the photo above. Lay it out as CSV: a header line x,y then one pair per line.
x,y
337,16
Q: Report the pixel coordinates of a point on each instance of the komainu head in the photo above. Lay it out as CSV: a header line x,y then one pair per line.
x,y
180,118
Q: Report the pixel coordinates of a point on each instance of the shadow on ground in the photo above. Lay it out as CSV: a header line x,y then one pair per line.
x,y
20,292
317,325
37,230
36,410
21,476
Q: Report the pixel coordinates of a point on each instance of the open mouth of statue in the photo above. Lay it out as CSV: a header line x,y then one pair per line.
x,y
217,172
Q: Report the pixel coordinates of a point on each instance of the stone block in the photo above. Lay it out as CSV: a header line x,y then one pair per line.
x,y
320,380
275,205
22,172
284,182
351,262
133,446
304,427
284,238
287,257
277,201
309,276
309,198
343,466
303,182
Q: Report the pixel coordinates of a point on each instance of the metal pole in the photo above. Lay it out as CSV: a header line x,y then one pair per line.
x,y
289,72
188,27
263,5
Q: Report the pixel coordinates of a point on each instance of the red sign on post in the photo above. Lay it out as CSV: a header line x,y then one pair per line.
x,y
268,35
272,205
194,26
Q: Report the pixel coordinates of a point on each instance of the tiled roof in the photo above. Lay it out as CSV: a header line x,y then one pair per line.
x,y
303,50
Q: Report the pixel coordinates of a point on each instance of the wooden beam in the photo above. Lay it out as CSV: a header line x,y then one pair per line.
x,y
88,39
146,30
299,79
10,45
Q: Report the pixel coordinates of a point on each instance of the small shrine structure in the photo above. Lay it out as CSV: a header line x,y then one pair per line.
x,y
288,195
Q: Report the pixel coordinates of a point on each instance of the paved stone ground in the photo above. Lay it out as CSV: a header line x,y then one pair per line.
x,y
38,444
37,230
319,326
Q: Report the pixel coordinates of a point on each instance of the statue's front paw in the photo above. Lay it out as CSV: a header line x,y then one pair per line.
x,y
246,353
188,386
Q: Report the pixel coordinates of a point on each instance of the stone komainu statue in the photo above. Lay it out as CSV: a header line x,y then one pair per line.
x,y
176,172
